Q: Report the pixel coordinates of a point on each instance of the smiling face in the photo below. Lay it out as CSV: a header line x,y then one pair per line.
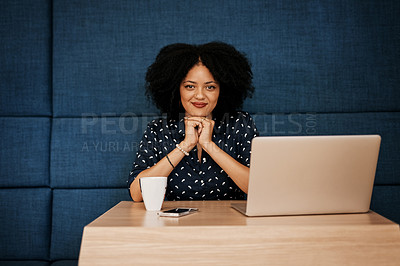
x,y
199,92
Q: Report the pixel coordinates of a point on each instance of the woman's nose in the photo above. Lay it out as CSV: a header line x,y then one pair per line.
x,y
199,94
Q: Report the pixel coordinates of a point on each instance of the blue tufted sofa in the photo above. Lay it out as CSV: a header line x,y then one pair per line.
x,y
72,103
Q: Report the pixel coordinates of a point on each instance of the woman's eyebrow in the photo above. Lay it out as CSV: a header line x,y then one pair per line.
x,y
194,82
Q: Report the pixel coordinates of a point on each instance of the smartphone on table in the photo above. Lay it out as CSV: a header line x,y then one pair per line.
x,y
177,212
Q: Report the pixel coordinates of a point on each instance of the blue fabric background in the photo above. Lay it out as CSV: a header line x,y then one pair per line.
x,y
99,150
72,210
25,58
24,153
25,223
72,103
308,56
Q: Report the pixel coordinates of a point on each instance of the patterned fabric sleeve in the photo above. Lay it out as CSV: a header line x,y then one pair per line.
x,y
148,153
247,130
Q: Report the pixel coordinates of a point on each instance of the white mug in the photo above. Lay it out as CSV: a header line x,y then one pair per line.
x,y
153,191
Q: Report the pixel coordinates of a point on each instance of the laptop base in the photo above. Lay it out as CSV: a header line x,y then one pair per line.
x,y
240,207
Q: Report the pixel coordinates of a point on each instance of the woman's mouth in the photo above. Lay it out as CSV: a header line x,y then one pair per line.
x,y
199,104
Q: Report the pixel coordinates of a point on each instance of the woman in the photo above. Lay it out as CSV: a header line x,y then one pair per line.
x,y
203,145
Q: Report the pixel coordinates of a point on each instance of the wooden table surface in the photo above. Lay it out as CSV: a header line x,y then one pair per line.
x,y
128,234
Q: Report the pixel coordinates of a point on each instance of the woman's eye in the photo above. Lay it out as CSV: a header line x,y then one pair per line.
x,y
211,88
189,87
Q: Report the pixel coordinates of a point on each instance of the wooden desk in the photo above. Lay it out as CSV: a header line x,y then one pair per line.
x,y
219,235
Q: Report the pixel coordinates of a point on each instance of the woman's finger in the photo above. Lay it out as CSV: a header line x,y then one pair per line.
x,y
200,128
194,118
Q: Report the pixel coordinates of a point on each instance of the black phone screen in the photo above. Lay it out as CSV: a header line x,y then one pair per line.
x,y
177,210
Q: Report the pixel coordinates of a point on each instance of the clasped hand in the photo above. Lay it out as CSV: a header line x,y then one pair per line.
x,y
198,130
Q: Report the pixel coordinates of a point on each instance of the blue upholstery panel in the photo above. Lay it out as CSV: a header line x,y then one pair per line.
x,y
100,57
308,56
25,69
94,151
386,202
24,263
385,124
65,263
72,210
25,223
323,56
24,153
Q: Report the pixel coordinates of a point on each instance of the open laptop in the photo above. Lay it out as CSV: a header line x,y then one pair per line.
x,y
311,175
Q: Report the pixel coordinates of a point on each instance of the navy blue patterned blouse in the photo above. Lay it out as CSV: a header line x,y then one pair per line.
x,y
192,180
